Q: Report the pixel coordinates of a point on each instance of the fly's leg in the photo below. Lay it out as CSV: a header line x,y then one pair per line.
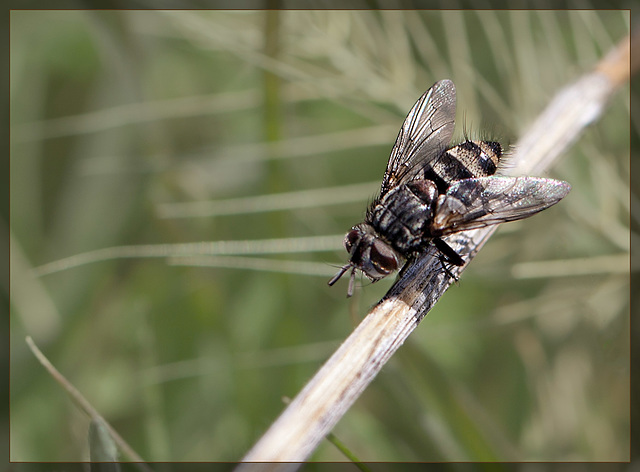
x,y
447,257
445,267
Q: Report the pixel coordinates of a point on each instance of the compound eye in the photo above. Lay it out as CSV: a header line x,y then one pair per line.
x,y
351,239
383,258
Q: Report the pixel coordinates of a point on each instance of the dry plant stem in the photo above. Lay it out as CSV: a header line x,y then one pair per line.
x,y
85,406
336,386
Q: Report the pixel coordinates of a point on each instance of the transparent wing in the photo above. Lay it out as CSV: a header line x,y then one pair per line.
x,y
425,134
474,203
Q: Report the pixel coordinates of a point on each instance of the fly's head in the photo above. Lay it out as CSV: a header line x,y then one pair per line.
x,y
368,253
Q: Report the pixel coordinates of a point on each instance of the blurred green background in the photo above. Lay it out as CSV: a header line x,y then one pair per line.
x,y
126,125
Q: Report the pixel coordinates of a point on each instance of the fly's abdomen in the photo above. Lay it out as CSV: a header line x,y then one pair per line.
x,y
467,160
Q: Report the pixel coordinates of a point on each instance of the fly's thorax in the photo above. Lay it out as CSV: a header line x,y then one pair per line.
x,y
369,253
402,215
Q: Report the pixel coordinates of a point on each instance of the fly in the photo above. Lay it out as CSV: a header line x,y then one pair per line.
x,y
429,191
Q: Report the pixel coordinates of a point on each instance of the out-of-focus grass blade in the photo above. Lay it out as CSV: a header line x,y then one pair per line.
x,y
102,448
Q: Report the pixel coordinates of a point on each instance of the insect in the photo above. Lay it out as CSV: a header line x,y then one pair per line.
x,y
429,191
